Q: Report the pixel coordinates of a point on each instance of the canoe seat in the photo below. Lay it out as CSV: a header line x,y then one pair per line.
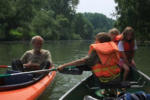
x,y
18,78
125,84
120,85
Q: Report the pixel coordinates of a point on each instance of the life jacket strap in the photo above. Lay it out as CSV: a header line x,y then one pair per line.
x,y
105,69
108,79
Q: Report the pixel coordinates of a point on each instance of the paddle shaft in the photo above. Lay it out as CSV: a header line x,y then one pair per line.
x,y
30,72
38,71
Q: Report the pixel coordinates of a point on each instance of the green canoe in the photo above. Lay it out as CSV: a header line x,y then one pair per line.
x,y
86,86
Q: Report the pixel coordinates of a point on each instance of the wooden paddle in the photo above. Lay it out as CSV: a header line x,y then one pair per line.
x,y
5,66
29,72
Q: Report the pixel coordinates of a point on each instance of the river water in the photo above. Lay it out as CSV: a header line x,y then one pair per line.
x,y
62,52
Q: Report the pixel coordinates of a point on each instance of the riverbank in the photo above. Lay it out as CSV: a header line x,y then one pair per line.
x,y
139,43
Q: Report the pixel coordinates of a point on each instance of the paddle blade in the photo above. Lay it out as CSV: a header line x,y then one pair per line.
x,y
72,71
4,66
4,75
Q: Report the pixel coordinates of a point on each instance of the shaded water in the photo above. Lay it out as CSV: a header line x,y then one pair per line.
x,y
62,52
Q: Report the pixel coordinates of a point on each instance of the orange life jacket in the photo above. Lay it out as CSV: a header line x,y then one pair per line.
x,y
128,49
118,38
109,56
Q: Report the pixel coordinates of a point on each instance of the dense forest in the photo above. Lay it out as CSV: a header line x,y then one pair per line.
x,y
58,19
52,19
99,21
134,13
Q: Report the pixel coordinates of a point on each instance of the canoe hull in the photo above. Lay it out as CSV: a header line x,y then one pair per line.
x,y
83,88
30,92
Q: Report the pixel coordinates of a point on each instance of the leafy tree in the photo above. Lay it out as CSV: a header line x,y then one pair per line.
x,y
83,27
99,21
52,19
136,14
43,23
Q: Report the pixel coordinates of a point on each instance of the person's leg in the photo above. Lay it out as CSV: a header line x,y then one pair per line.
x,y
126,71
133,63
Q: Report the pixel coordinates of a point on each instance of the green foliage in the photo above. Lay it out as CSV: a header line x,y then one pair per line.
x,y
43,22
83,27
99,21
16,34
134,13
52,19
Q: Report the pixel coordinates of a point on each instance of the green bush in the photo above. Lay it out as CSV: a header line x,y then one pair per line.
x,y
16,34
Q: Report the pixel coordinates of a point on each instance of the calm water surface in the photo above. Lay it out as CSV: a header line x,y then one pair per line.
x,y
62,52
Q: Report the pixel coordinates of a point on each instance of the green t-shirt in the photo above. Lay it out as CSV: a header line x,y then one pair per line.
x,y
28,56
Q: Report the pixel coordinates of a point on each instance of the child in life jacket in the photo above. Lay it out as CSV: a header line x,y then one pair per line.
x,y
127,47
115,35
103,59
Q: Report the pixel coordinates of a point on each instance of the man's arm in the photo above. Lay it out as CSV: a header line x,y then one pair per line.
x,y
32,65
26,63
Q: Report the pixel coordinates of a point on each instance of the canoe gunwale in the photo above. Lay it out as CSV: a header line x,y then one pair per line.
x,y
144,75
74,87
31,92
22,85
